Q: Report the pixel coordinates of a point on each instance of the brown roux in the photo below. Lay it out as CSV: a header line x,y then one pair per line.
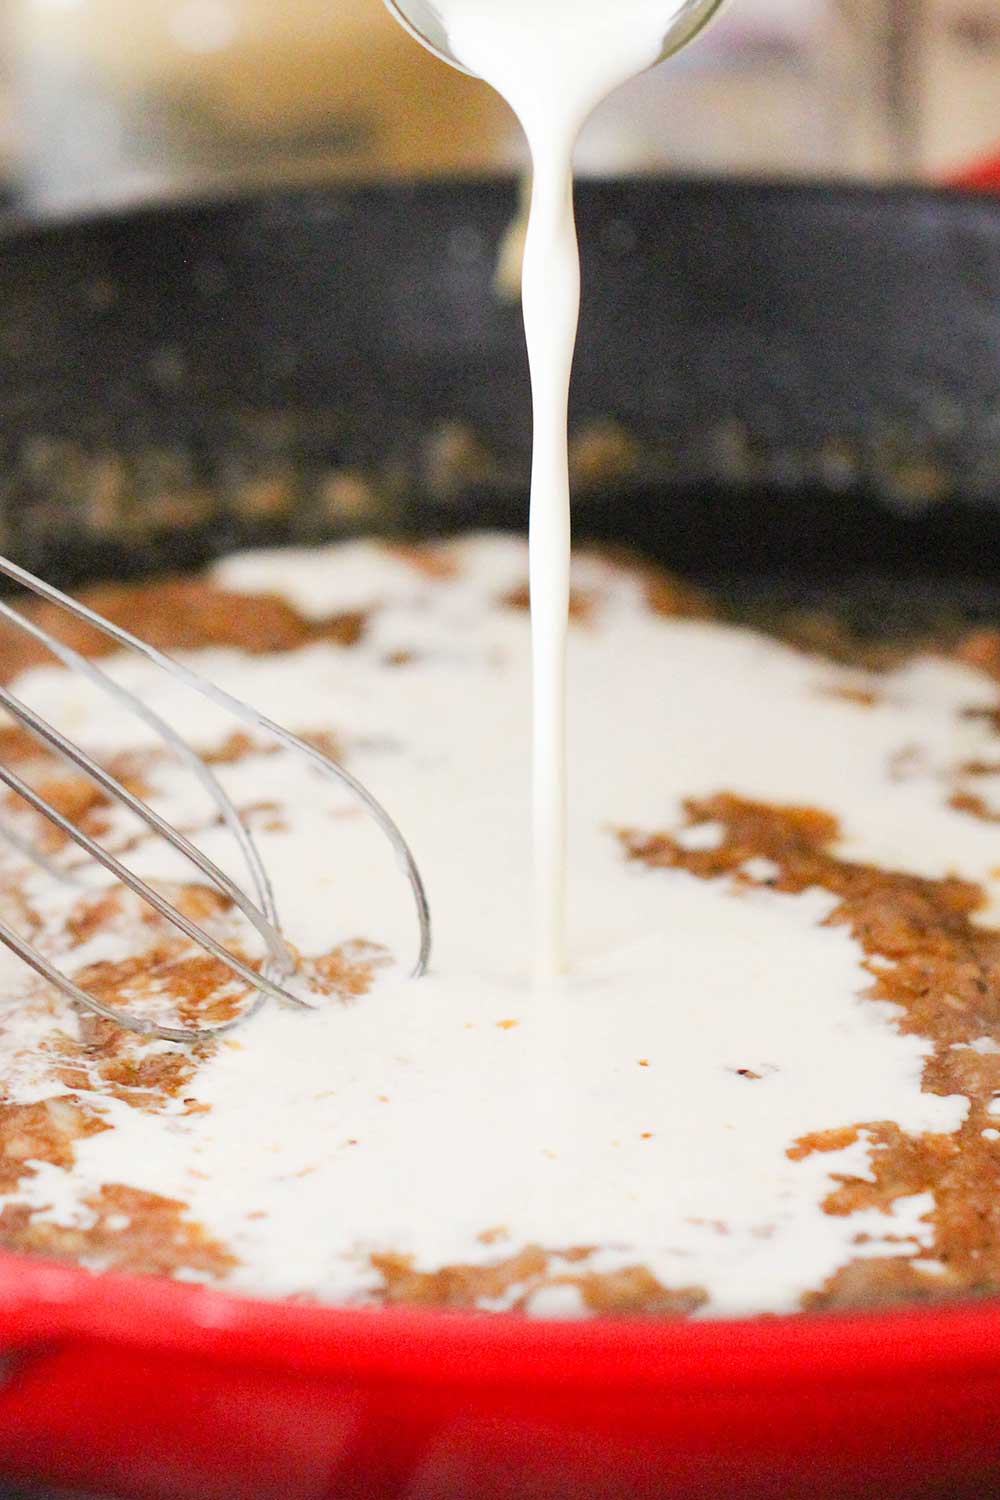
x,y
944,976
945,979
581,602
175,614
520,1277
973,806
130,1231
41,1132
663,593
860,697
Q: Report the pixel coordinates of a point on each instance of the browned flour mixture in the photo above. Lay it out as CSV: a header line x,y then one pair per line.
x,y
925,951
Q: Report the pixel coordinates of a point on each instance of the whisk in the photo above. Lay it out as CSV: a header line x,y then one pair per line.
x,y
270,980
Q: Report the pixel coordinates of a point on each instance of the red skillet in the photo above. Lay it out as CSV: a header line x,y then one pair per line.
x,y
794,391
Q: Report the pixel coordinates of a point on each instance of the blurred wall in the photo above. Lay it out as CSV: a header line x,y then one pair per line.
x,y
116,99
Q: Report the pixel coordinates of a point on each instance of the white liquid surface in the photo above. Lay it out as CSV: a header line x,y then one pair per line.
x,y
553,61
410,1119
454,1120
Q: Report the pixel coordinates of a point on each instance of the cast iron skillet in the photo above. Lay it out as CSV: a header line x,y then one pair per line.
x,y
792,391
792,381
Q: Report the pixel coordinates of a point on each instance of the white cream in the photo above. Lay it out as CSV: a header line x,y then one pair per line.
x,y
410,1120
553,61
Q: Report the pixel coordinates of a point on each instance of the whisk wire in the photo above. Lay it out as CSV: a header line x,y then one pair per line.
x,y
183,751
279,962
41,965
141,887
254,719
45,732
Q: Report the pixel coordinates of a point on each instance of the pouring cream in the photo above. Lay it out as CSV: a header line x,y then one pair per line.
x,y
554,61
673,1138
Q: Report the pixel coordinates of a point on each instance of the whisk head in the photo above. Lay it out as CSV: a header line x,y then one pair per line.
x,y
270,977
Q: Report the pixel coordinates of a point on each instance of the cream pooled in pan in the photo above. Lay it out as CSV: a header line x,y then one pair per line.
x,y
770,1077
769,1082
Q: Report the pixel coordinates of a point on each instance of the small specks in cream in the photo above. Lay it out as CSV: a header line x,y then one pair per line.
x,y
706,1026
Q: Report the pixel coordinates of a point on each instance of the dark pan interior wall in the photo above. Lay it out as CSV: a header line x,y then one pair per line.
x,y
772,380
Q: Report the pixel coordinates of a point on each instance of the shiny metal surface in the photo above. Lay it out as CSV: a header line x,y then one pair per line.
x,y
422,21
269,980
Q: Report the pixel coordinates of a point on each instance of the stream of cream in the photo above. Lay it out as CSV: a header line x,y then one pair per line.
x,y
713,1023
454,1120
553,61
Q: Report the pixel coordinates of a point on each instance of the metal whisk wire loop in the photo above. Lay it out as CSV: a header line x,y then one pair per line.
x,y
279,963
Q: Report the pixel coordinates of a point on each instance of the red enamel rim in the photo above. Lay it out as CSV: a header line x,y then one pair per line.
x,y
42,1302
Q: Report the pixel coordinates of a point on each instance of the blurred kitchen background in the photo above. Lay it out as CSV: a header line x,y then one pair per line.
x,y
108,101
